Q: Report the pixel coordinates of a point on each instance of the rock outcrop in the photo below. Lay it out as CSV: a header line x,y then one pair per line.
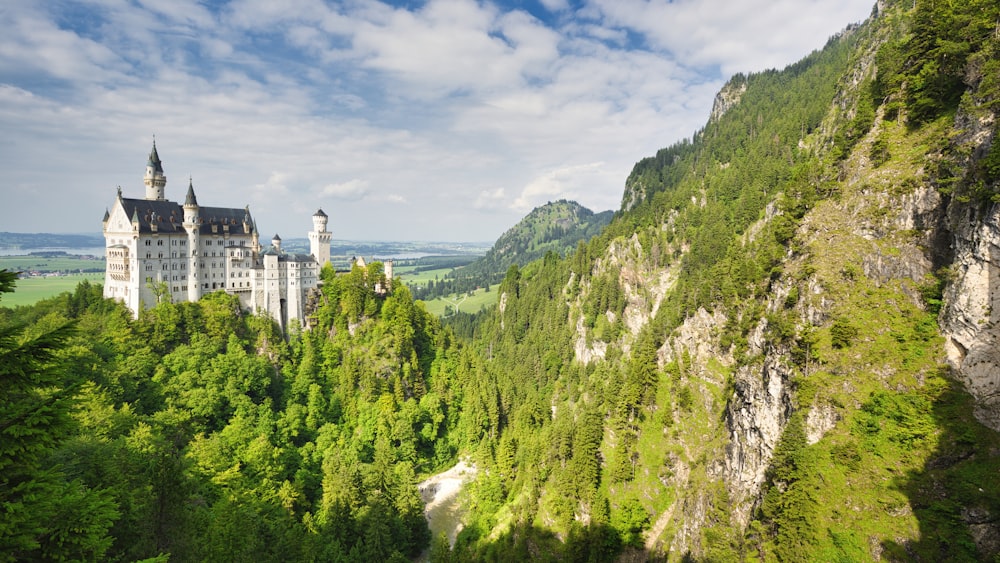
x,y
970,318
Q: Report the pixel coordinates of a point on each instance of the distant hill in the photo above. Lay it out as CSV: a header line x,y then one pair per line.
x,y
556,226
28,241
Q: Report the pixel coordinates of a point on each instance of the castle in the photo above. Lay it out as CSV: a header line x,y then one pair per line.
x,y
158,249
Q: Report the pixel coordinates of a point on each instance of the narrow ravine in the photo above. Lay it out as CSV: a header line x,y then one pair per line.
x,y
443,506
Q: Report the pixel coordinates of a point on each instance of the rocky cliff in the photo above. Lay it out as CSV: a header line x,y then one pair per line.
x,y
789,333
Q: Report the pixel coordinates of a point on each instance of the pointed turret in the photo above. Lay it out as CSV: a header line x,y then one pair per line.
x,y
154,160
190,199
156,182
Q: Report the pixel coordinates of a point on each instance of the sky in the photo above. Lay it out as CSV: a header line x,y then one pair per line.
x,y
439,120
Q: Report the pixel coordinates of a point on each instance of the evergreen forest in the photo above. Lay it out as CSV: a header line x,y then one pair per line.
x,y
753,361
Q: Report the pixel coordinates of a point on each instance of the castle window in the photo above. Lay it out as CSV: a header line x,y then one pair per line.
x,y
208,243
159,243
183,243
206,285
149,255
149,267
148,242
160,255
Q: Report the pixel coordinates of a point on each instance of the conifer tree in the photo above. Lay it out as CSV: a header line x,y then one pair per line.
x,y
42,515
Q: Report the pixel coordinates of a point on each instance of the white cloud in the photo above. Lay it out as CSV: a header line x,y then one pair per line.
x,y
735,36
455,45
470,112
562,183
351,190
555,5
490,199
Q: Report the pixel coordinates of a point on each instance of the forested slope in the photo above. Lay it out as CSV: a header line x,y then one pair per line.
x,y
554,227
781,348
198,432
763,356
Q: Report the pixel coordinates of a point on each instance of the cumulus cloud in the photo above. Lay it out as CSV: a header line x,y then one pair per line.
x,y
735,36
490,199
351,190
562,183
471,112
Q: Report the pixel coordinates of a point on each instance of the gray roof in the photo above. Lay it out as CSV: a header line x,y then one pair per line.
x,y
169,217
154,160
287,257
190,199
319,213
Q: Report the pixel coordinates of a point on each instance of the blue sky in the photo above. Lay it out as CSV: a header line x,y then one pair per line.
x,y
440,120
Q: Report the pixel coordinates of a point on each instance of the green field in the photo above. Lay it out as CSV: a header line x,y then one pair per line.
x,y
32,290
465,303
28,291
410,277
481,298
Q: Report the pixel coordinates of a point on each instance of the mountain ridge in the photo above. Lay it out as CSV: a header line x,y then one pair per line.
x,y
761,338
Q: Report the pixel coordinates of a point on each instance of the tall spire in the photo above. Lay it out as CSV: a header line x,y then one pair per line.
x,y
154,158
190,199
155,180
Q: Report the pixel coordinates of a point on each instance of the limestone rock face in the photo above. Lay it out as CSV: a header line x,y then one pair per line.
x,y
756,417
969,318
727,97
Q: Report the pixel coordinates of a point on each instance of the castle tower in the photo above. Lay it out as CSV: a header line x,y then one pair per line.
x,y
192,224
156,182
319,239
276,243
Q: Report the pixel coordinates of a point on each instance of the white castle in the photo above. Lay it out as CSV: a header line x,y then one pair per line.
x,y
157,249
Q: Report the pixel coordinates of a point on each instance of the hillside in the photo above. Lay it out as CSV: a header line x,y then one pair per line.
x,y
783,347
554,227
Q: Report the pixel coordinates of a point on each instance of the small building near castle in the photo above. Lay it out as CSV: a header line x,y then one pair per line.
x,y
158,249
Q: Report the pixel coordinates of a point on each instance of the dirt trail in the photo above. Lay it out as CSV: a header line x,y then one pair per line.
x,y
659,526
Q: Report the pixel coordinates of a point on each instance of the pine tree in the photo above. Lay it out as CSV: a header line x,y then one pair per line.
x,y
42,515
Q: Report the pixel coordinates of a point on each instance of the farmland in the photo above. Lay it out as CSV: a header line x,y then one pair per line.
x,y
53,275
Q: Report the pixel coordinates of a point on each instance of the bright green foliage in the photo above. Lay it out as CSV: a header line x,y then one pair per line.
x,y
842,333
207,435
44,513
754,204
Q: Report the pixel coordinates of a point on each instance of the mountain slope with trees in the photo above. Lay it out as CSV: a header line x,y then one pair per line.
x,y
198,432
763,356
781,348
554,227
